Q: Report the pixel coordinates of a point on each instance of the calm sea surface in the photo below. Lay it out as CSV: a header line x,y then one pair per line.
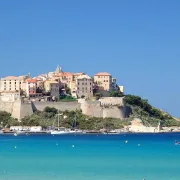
x,y
93,157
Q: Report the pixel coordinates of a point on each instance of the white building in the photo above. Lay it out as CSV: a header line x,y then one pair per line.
x,y
121,89
12,83
35,129
16,128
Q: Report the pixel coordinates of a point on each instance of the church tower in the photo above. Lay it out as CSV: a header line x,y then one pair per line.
x,y
58,70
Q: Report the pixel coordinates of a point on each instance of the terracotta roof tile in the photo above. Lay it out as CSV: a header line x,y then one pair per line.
x,y
31,80
102,74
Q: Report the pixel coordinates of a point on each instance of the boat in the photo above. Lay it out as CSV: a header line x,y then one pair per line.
x,y
177,142
60,130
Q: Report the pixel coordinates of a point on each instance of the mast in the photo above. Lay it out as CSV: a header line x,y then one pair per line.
x,y
58,119
75,121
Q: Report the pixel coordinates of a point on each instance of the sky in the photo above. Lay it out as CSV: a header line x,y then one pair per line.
x,y
138,42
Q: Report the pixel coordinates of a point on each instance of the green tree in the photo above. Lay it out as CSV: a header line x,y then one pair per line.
x,y
50,110
116,94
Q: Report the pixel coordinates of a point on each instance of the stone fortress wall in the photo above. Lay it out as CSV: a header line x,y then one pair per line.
x,y
105,107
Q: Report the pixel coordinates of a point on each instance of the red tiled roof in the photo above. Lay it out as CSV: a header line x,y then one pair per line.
x,y
31,80
64,74
102,74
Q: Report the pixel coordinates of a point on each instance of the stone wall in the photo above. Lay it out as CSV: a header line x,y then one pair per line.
x,y
114,112
6,106
110,107
18,109
26,110
106,107
58,105
92,108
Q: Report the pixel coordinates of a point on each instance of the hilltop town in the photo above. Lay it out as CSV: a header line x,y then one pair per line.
x,y
57,85
97,102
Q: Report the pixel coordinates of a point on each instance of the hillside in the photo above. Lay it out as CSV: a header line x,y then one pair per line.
x,y
149,115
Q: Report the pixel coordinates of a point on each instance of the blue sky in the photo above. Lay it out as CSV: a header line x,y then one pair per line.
x,y
138,42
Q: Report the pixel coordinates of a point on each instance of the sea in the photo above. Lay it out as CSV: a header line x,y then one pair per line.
x,y
90,157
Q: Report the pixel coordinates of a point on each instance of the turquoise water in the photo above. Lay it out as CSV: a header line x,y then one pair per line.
x,y
97,157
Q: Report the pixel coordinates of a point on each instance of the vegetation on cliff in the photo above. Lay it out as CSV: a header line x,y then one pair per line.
x,y
149,115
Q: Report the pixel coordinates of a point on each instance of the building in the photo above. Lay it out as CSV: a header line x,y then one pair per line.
x,y
84,85
7,96
58,70
65,78
114,85
73,88
121,89
31,87
53,88
76,75
103,80
12,83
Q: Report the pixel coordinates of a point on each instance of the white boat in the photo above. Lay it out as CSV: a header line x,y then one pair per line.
x,y
62,130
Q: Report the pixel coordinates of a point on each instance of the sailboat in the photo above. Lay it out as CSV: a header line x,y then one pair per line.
x,y
61,130
74,125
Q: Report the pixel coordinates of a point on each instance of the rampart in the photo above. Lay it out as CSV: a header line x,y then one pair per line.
x,y
105,107
58,105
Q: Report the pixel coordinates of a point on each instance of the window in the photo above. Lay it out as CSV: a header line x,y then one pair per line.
x,y
82,83
4,82
9,82
106,80
90,83
98,76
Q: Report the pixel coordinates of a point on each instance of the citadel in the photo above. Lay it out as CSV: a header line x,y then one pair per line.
x,y
23,95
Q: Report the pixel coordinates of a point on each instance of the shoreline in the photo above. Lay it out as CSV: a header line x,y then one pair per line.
x,y
108,133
